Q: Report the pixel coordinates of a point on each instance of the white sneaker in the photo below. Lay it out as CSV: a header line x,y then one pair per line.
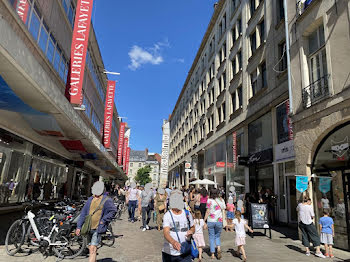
x,y
147,227
320,255
144,229
307,253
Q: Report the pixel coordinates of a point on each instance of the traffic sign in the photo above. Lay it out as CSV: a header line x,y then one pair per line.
x,y
187,165
188,170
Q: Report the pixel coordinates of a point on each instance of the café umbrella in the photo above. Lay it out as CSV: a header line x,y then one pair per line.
x,y
196,182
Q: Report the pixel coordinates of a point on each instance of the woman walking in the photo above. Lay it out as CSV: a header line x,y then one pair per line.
x,y
203,201
307,227
160,204
214,217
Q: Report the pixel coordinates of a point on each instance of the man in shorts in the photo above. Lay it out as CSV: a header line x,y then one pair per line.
x,y
102,209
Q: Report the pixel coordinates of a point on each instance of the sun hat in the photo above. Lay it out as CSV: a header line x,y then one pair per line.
x,y
98,188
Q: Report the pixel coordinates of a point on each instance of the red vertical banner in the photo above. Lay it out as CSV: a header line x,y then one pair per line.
x,y
289,122
234,148
108,117
126,144
22,8
127,160
120,143
79,46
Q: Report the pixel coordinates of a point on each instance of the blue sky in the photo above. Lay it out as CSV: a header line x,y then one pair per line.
x,y
152,44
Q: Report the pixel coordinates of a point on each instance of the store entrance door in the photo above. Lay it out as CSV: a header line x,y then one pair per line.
x,y
346,186
292,199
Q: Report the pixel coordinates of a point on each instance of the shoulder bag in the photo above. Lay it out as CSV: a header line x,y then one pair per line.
x,y
186,245
85,229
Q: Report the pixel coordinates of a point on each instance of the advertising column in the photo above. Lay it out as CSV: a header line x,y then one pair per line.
x,y
78,51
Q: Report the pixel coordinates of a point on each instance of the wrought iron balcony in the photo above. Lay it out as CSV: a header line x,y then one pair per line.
x,y
316,91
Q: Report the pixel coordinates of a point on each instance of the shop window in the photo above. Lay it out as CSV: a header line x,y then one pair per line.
x,y
44,36
34,25
260,134
283,126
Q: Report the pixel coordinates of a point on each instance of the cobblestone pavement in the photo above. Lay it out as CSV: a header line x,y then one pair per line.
x,y
138,246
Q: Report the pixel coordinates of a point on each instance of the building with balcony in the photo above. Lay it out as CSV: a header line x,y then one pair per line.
x,y
48,148
231,119
320,52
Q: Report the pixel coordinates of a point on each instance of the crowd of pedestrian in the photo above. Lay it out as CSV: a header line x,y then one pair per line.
x,y
185,214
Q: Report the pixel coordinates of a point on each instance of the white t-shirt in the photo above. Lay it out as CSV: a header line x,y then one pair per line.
x,y
199,226
325,202
215,208
239,227
182,227
132,194
306,213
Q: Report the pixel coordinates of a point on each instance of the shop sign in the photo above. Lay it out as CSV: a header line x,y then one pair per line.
x,y
127,160
73,146
78,51
284,151
188,170
120,143
325,184
22,9
234,148
340,149
125,149
289,123
230,165
302,183
259,158
108,117
220,164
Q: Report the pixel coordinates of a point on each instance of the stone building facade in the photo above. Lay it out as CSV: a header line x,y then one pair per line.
x,y
320,52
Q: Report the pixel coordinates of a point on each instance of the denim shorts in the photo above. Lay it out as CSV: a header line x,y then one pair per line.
x,y
95,238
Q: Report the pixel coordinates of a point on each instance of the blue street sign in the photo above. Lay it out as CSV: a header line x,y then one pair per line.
x,y
177,175
325,184
302,183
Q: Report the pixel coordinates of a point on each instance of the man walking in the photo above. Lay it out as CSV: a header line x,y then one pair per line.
x,y
146,205
132,197
102,211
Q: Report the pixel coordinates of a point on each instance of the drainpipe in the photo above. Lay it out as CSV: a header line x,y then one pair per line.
x,y
288,57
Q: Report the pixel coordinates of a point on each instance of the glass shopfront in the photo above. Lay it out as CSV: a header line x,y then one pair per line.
x,y
331,184
29,172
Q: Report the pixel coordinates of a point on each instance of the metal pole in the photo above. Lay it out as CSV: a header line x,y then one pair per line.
x,y
288,57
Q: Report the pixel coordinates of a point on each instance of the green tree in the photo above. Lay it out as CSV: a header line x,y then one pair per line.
x,y
143,176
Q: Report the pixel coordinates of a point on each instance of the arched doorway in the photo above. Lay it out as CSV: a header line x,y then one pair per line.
x,y
331,181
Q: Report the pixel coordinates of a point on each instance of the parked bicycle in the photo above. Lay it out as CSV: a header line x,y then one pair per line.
x,y
56,233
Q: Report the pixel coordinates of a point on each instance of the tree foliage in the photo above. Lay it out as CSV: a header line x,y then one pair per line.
x,y
143,176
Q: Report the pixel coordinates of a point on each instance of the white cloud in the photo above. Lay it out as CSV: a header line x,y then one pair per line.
x,y
179,60
140,56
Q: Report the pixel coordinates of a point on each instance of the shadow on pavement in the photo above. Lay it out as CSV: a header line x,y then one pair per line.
x,y
106,260
287,232
295,248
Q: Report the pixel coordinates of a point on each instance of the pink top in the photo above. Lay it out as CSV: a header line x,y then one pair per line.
x,y
204,200
230,207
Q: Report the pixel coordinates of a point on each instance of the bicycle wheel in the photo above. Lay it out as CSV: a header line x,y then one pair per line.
x,y
72,245
108,238
44,226
15,237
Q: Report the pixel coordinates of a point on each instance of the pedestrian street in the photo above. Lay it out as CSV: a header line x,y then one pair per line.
x,y
138,246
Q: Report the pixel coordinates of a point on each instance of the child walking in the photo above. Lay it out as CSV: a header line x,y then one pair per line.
x,y
230,213
198,235
327,232
240,226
